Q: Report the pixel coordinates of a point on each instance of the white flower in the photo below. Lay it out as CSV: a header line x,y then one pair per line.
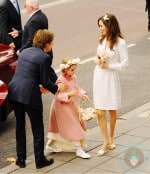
x,y
63,66
69,63
75,61
106,18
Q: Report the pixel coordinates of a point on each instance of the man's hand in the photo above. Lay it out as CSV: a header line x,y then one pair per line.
x,y
14,33
62,87
12,45
17,52
43,90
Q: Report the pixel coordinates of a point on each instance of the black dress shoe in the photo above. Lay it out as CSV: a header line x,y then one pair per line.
x,y
21,163
45,163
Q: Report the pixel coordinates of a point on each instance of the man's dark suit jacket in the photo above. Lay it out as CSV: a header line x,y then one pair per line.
x,y
33,69
9,18
37,21
147,7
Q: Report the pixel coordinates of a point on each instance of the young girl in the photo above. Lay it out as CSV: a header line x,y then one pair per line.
x,y
66,130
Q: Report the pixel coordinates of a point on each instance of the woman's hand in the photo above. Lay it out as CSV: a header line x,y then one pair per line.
x,y
103,65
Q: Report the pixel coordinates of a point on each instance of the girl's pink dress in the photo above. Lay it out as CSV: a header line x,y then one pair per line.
x,y
66,130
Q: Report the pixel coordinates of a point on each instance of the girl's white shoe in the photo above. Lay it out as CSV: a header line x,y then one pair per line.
x,y
80,153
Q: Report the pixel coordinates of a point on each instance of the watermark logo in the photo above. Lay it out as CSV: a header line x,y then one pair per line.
x,y
134,157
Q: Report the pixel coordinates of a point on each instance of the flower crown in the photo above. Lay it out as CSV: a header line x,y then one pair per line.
x,y
106,18
69,63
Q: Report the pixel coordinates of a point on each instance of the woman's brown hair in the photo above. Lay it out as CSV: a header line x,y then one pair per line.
x,y
113,29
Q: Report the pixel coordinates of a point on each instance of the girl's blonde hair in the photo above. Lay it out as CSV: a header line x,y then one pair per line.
x,y
67,63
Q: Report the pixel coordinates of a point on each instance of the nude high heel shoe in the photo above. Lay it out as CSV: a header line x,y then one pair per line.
x,y
103,150
112,145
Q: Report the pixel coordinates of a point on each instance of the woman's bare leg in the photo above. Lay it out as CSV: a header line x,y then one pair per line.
x,y
113,118
103,126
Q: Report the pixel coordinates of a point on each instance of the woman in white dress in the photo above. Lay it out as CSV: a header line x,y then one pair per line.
x,y
112,56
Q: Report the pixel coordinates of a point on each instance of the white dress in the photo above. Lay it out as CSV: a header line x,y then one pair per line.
x,y
106,83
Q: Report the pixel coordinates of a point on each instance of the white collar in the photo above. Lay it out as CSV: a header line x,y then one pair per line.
x,y
33,13
13,1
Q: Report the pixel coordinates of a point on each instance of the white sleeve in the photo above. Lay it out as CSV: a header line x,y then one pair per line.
x,y
123,53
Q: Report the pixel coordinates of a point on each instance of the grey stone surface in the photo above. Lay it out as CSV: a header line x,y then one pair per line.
x,y
114,161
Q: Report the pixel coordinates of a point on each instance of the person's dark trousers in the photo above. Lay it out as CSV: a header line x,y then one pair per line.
x,y
36,119
149,19
19,110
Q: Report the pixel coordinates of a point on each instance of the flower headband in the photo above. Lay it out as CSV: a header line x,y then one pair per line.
x,y
106,18
69,63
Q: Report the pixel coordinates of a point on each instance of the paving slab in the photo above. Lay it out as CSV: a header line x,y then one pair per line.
x,y
128,140
132,153
113,165
70,168
141,131
94,161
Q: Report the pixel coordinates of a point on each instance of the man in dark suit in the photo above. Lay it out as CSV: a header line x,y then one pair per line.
x,y
10,20
37,20
24,92
147,8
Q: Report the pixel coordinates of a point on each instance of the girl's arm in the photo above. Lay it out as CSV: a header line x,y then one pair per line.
x,y
80,92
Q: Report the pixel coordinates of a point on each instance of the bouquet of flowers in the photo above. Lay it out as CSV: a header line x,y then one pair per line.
x,y
86,114
101,54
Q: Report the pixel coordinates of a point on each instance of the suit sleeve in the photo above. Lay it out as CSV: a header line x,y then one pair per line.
x,y
48,77
34,26
146,6
4,37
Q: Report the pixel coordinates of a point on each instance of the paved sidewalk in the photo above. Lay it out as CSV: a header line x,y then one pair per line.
x,y
132,154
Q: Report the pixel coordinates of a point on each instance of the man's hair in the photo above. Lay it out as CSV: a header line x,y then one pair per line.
x,y
42,37
33,3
